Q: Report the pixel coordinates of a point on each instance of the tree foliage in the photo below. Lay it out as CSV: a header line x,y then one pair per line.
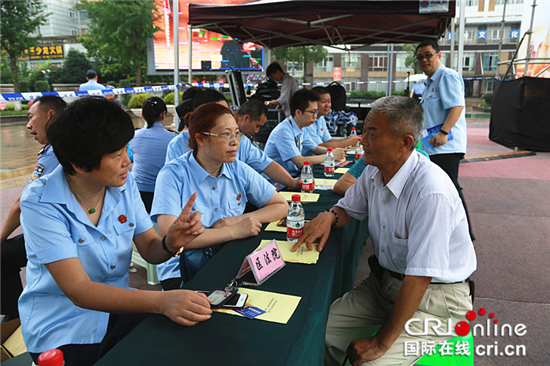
x,y
118,34
303,54
19,20
410,60
74,69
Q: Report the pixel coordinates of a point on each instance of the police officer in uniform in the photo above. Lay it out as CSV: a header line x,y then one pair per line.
x,y
41,113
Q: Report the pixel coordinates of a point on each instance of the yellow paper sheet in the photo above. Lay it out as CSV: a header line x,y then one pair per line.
x,y
305,197
341,170
325,182
302,255
278,307
274,227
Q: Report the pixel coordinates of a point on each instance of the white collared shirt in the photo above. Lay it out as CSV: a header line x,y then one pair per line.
x,y
417,221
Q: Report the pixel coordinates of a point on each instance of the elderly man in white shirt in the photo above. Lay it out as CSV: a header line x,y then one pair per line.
x,y
423,252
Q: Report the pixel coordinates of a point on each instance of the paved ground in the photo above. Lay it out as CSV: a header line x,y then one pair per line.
x,y
509,204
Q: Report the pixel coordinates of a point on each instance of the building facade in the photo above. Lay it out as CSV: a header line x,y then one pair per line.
x,y
64,23
365,68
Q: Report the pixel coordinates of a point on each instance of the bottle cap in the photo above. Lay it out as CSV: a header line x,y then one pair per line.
x,y
353,128
306,162
52,357
329,148
359,139
296,198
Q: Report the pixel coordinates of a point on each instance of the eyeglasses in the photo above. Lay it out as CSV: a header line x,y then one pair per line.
x,y
227,137
427,56
312,112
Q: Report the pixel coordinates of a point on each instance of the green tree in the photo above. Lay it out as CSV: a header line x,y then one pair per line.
x,y
410,60
303,54
19,20
118,33
74,69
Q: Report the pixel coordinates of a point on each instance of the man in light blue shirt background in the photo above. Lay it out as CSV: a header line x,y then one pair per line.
x,y
92,83
319,132
443,101
13,254
418,90
289,141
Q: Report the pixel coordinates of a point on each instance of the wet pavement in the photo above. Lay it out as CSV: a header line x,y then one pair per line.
x,y
19,149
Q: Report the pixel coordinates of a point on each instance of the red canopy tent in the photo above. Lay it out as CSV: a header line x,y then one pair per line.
x,y
275,24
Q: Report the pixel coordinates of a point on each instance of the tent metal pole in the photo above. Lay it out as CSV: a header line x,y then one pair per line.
x,y
453,31
529,38
176,56
461,37
190,69
501,33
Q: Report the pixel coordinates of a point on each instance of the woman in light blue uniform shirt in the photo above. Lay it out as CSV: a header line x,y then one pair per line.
x,y
149,147
223,185
79,223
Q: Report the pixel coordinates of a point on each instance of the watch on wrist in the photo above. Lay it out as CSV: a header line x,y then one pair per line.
x,y
175,255
444,132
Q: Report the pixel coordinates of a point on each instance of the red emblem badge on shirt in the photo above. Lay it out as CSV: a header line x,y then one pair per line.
x,y
122,219
239,197
322,129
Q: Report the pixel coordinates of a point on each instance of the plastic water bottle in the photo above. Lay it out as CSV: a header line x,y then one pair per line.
x,y
295,219
353,132
358,150
329,163
308,183
52,357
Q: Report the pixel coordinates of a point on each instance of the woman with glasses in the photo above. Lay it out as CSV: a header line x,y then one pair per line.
x,y
149,147
79,223
223,184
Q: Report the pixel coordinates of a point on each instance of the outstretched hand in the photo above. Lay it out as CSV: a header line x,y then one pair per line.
x,y
318,228
186,227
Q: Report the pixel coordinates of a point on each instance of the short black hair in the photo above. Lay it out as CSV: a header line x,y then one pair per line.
x,y
91,74
273,68
48,102
320,90
88,129
186,104
428,42
301,99
208,96
254,108
152,109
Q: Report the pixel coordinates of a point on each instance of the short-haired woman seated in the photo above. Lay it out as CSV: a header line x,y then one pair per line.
x,y
79,223
223,184
149,147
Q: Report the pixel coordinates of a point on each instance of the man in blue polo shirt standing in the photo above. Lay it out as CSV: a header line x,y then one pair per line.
x,y
443,102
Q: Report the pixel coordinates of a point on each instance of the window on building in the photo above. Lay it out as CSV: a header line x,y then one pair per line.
x,y
490,62
351,61
495,34
469,62
72,13
468,35
295,69
400,63
471,3
327,65
74,32
350,84
378,63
